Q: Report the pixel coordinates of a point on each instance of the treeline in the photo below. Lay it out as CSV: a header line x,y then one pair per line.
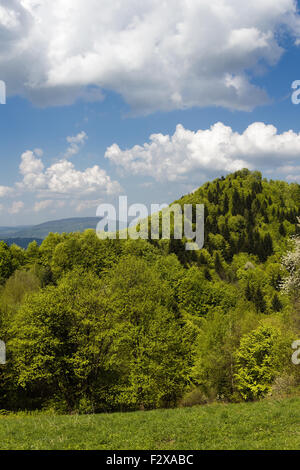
x,y
93,325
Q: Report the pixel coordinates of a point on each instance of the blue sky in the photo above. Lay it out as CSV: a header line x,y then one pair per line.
x,y
77,125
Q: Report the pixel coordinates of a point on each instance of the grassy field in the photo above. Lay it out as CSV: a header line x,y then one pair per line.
x,y
263,425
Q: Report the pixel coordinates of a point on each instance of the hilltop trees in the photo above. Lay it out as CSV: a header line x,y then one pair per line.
x,y
249,214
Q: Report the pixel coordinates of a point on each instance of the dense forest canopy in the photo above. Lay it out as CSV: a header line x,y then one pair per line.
x,y
93,325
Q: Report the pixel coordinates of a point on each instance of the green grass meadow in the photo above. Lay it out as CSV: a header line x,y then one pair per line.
x,y
261,425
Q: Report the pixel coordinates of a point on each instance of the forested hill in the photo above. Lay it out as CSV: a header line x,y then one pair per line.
x,y
246,213
98,325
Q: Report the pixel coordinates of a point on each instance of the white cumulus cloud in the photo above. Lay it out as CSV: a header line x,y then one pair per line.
x,y
63,178
5,191
54,185
186,154
42,205
75,144
16,207
159,55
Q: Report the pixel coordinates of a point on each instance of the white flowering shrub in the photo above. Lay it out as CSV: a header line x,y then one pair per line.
x,y
291,262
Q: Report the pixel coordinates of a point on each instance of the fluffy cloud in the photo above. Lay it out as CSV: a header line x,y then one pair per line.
x,y
5,191
75,143
59,182
156,56
62,178
32,169
87,204
16,207
186,154
42,205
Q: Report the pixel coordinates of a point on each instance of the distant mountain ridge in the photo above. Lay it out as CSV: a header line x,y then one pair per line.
x,y
40,231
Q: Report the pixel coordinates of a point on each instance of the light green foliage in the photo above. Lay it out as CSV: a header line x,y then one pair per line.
x,y
217,341
20,283
95,325
258,362
152,346
198,297
6,262
61,341
109,343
